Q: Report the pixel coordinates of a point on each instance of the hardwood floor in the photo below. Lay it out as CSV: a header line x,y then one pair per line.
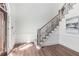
x,y
54,50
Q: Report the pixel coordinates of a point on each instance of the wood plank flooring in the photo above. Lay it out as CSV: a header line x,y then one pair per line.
x,y
54,50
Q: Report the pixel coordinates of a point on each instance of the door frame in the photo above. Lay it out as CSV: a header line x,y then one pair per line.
x,y
5,30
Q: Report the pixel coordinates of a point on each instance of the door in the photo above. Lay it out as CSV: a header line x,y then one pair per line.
x,y
2,32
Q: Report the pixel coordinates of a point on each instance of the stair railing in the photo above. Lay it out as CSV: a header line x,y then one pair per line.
x,y
47,28
53,23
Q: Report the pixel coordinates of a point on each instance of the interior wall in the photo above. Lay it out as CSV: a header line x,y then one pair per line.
x,y
67,39
32,16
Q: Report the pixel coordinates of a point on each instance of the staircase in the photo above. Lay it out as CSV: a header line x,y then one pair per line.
x,y
49,28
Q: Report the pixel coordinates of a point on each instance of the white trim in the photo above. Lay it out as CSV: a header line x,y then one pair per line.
x,y
8,27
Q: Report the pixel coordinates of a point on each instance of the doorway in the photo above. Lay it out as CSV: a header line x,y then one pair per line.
x,y
3,29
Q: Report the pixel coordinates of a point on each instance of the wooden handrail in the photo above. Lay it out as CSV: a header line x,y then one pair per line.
x,y
51,19
48,22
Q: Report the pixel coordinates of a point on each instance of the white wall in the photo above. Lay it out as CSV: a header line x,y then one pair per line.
x,y
31,17
69,40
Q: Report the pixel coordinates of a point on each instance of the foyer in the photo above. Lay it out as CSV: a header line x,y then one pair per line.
x,y
39,29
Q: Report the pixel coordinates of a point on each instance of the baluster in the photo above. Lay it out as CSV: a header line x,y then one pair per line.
x,y
51,25
46,30
42,33
57,20
38,37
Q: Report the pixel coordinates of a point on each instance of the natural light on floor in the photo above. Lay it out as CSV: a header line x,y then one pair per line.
x,y
38,47
26,46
